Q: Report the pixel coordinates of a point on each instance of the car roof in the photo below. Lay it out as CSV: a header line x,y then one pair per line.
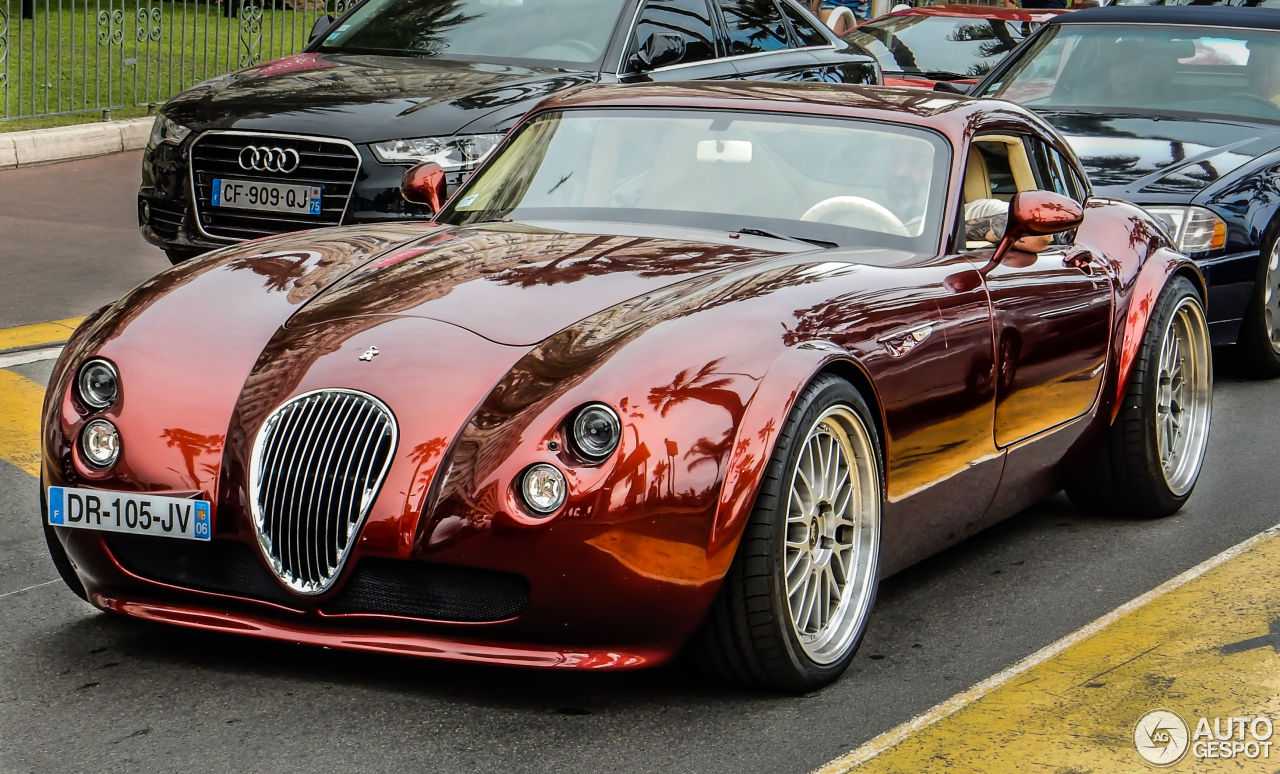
x,y
952,114
1198,15
978,11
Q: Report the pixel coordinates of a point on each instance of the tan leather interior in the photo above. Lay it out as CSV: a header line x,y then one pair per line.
x,y
977,184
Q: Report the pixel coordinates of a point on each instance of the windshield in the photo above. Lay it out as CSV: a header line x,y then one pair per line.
x,y
826,181
939,46
544,31
1218,72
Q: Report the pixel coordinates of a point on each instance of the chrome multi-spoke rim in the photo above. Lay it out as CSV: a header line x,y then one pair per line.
x,y
833,534
1271,296
1184,394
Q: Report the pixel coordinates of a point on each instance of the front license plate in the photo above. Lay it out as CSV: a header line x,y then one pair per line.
x,y
268,197
144,514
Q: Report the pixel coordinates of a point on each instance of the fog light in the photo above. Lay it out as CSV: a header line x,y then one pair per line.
x,y
98,384
100,443
543,487
145,211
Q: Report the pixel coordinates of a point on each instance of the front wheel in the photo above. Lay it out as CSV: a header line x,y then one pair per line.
x,y
794,605
1151,459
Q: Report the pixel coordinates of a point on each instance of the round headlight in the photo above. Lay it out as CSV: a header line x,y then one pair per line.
x,y
99,384
100,443
543,487
596,431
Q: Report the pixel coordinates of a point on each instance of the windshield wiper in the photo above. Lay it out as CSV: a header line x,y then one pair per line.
x,y
802,240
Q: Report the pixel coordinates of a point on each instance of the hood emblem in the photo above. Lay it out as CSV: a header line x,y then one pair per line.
x,y
369,354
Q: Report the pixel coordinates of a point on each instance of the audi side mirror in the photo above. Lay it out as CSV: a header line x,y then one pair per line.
x,y
659,50
425,184
948,87
318,29
1038,213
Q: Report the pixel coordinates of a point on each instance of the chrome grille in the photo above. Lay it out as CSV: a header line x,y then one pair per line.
x,y
333,165
317,466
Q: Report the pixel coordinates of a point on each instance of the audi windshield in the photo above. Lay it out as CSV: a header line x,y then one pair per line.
x,y
536,31
1208,71
939,47
822,181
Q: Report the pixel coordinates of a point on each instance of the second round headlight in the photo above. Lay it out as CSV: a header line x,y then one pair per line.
x,y
100,443
596,431
98,384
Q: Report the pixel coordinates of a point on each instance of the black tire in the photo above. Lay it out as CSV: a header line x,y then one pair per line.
x,y
1255,355
61,562
748,637
178,255
1125,477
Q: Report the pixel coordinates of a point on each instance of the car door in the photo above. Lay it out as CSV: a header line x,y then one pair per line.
x,y
1051,307
690,20
761,45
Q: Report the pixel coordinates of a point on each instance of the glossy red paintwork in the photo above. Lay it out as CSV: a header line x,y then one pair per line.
x,y
490,337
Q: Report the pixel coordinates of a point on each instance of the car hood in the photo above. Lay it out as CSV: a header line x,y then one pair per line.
x,y
1126,156
365,98
518,284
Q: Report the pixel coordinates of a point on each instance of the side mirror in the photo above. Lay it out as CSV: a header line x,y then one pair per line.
x,y
949,87
425,184
318,29
659,50
1038,213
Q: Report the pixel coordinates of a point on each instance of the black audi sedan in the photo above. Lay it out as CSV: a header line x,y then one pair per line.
x,y
1176,109
324,137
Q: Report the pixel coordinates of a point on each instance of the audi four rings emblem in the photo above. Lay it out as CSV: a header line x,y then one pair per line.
x,y
258,159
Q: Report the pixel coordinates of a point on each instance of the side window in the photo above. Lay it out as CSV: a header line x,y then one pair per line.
x,y
754,26
802,24
689,19
1053,172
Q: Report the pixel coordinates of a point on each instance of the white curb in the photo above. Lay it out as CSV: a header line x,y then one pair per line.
x,y
63,143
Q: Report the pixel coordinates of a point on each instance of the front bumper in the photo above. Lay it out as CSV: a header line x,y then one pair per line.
x,y
167,217
1230,279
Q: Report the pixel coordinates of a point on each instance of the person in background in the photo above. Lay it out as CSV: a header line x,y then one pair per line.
x,y
840,15
1264,69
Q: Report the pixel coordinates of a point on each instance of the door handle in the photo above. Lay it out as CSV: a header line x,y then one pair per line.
x,y
1080,259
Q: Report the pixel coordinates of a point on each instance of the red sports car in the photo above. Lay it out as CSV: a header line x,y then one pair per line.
x,y
957,43
681,366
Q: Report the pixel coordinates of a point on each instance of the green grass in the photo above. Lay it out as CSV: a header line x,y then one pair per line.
x,y
55,63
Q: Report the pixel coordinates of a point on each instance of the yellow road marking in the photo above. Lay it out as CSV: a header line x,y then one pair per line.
x,y
20,402
1202,645
39,333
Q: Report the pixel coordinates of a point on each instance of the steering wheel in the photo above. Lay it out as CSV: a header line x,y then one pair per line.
x,y
1256,99
829,211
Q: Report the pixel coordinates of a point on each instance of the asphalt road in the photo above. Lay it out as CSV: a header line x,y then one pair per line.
x,y
83,691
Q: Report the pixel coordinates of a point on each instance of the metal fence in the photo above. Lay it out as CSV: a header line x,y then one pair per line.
x,y
59,57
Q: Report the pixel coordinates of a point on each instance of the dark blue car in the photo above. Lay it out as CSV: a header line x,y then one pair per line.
x,y
1176,109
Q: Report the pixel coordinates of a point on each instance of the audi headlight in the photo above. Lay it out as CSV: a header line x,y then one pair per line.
x,y
100,443
165,130
543,488
1192,229
98,384
462,152
596,431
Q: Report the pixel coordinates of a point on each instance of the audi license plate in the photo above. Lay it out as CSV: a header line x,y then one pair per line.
x,y
139,514
268,197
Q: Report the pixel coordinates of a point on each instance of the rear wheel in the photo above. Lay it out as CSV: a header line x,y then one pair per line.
x,y
1151,459
1258,350
794,605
